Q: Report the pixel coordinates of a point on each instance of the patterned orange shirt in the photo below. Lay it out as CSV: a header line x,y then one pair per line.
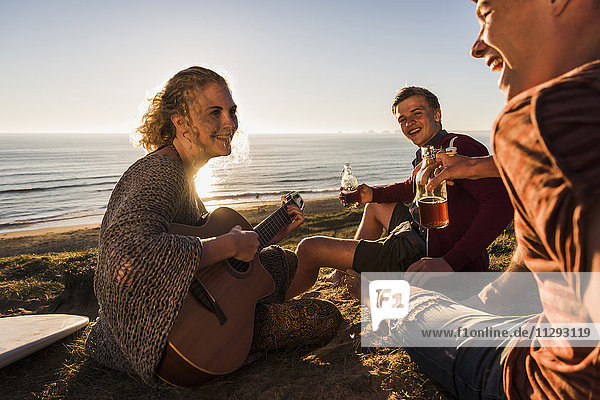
x,y
547,147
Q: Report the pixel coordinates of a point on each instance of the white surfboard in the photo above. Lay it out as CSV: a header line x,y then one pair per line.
x,y
25,334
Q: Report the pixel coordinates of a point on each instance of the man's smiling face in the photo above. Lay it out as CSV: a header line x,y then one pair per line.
x,y
511,41
418,120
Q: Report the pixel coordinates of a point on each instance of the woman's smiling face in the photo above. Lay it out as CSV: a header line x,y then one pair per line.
x,y
212,122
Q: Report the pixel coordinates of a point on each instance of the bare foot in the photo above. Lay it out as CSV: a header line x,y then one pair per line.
x,y
353,283
334,277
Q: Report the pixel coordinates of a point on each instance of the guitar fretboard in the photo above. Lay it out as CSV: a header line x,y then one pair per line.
x,y
271,226
266,231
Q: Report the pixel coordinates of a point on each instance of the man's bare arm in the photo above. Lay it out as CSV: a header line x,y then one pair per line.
x,y
461,167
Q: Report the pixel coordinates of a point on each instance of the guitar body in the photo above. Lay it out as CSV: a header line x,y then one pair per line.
x,y
201,346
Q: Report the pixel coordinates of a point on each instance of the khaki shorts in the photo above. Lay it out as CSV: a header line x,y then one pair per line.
x,y
396,252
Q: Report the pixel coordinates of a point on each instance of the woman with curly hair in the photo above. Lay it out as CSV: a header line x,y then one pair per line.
x,y
144,271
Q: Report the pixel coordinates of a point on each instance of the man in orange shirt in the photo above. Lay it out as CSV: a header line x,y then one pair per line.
x,y
545,145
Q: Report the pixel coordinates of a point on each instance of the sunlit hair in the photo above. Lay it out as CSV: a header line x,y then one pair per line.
x,y
410,91
157,128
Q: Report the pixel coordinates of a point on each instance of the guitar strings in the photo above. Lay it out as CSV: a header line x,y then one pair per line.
x,y
272,225
266,230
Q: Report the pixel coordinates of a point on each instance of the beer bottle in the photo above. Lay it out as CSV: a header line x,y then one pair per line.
x,y
349,195
432,204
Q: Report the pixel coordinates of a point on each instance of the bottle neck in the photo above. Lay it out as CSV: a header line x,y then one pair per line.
x,y
429,160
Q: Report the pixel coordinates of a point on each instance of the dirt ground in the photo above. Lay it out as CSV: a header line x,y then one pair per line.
x,y
52,271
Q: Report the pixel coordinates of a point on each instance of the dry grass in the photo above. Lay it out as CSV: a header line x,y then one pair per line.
x,y
62,282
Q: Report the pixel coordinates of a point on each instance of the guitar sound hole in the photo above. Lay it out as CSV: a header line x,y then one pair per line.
x,y
240,266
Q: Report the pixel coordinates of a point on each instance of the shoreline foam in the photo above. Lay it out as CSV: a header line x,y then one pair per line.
x,y
81,236
95,220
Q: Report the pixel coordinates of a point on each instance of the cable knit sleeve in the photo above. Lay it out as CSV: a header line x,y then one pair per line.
x,y
143,271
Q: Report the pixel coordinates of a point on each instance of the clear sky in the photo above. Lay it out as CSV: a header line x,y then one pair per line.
x,y
294,66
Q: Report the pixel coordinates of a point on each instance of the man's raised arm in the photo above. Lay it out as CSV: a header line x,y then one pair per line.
x,y
462,167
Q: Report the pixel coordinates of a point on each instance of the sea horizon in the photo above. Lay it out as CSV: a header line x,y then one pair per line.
x,y
65,179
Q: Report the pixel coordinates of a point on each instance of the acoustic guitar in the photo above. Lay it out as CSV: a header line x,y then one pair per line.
x,y
213,331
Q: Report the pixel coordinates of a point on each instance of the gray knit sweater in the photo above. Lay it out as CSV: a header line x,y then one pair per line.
x,y
143,271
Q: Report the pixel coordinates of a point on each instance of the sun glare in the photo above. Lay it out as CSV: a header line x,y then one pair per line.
x,y
205,181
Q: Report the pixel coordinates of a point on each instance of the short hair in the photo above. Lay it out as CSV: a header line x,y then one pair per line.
x,y
410,91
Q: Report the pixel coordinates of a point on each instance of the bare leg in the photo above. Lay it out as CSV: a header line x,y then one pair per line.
x,y
318,251
376,217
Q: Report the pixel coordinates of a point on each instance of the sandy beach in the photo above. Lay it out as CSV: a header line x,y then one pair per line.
x,y
81,237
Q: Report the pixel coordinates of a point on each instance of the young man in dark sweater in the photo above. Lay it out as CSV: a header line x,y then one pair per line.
x,y
478,210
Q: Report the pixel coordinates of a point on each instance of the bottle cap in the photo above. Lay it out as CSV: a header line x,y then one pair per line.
x,y
428,151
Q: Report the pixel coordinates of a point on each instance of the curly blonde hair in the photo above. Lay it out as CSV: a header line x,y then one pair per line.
x,y
157,129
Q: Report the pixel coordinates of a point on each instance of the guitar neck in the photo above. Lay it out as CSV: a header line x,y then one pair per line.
x,y
271,226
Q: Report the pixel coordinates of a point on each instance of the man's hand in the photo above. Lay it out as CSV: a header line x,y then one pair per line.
x,y
502,295
461,167
417,273
488,301
365,194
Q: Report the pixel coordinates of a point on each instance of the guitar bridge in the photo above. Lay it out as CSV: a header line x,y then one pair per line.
x,y
204,297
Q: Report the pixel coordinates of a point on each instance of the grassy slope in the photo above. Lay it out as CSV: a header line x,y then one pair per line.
x,y
61,282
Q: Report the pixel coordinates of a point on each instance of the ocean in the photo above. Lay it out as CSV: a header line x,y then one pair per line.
x,y
66,179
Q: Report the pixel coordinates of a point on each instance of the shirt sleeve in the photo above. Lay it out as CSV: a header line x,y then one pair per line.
x,y
568,120
403,192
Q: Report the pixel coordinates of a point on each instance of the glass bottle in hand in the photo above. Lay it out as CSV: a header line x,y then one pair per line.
x,y
349,195
433,204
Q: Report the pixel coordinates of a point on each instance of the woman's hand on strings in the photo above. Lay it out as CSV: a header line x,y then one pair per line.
x,y
246,243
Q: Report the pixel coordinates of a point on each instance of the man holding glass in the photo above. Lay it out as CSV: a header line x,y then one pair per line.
x,y
478,212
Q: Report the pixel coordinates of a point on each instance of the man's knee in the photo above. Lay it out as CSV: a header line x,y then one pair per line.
x,y
380,212
374,213
309,246
372,208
